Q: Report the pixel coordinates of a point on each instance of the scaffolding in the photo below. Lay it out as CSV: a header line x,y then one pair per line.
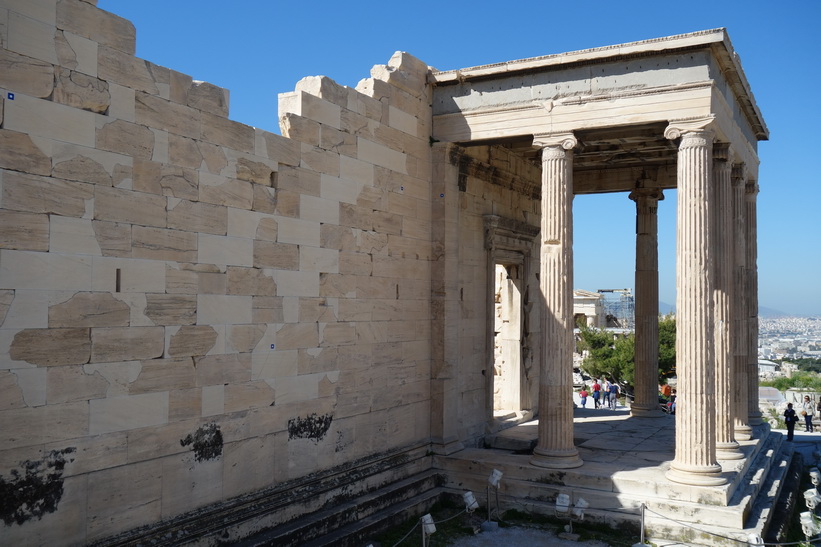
x,y
619,308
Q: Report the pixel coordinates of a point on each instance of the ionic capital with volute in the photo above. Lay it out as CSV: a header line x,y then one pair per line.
x,y
692,129
555,141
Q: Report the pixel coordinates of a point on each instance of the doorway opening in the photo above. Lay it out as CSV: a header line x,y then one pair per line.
x,y
508,374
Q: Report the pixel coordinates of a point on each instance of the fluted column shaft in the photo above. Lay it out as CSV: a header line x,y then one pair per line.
x,y
754,412
555,449
726,446
740,387
695,459
645,403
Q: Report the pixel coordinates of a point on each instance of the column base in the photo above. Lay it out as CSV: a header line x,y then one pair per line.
x,y
556,459
729,451
755,418
640,412
708,475
743,433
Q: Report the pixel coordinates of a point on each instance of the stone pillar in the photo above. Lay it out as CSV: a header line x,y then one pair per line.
x,y
555,449
722,227
754,412
695,459
740,387
646,403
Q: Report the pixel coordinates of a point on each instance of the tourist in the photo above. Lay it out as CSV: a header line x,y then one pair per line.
x,y
606,393
583,396
596,392
790,418
614,396
808,413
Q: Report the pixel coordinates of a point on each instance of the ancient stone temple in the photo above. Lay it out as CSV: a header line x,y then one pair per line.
x,y
209,331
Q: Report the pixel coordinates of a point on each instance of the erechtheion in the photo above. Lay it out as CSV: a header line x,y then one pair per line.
x,y
208,330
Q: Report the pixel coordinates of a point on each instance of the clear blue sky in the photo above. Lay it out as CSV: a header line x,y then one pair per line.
x,y
259,48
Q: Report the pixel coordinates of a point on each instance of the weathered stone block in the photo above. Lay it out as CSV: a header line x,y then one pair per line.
x,y
130,207
223,309
198,217
254,171
224,132
114,510
31,37
82,168
125,69
19,153
76,52
159,113
126,138
89,310
52,347
44,195
162,244
250,281
167,180
73,236
171,309
314,259
267,309
11,396
220,370
226,191
300,129
282,150
25,231
25,75
280,256
6,299
126,343
247,396
319,160
244,338
49,119
95,24
164,375
192,340
225,250
297,336
315,310
81,91
71,384
113,238
209,98
185,404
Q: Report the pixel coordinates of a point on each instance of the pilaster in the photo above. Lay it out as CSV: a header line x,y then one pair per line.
x,y
726,446
743,431
646,403
695,460
555,449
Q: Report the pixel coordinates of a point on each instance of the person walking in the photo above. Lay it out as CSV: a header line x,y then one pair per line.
x,y
605,393
808,412
583,396
614,395
596,392
790,418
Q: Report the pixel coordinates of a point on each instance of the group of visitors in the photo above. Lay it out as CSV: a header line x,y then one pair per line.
x,y
605,394
808,409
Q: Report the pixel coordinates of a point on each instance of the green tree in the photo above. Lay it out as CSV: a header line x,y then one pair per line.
x,y
667,347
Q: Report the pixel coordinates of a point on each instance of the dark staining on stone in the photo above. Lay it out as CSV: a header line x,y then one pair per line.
x,y
206,442
312,427
34,490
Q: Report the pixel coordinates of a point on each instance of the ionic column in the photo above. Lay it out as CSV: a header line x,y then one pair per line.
x,y
555,449
726,446
695,459
754,412
740,387
646,403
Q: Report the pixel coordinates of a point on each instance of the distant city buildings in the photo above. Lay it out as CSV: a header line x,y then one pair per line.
x,y
789,338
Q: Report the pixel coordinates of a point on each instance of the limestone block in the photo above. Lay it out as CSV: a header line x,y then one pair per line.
x,y
126,70
314,259
336,285
129,207
181,281
225,250
249,465
118,375
24,231
234,368
40,11
297,283
192,340
244,338
126,343
190,153
212,283
127,138
49,119
250,281
355,310
128,412
244,223
6,300
316,360
71,384
355,216
313,310
159,113
36,194
76,52
294,389
325,109
230,134
226,191
93,453
337,334
171,309
281,149
198,217
113,238
287,203
357,264
300,129
164,375
11,396
95,24
51,347
381,155
209,98
184,404
27,75
179,86
73,236
44,424
356,170
255,171
79,90
267,309
243,397
317,209
213,401
280,256
214,309
19,153
319,160
72,162
190,483
86,309
161,244
297,336
167,180
34,270
297,231
123,102
31,37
